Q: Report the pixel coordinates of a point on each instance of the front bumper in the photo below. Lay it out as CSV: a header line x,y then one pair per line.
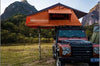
x,y
79,59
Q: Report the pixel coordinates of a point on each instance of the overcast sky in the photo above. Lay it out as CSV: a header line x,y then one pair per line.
x,y
83,5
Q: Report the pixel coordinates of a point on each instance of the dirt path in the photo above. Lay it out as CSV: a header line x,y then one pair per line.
x,y
68,64
50,60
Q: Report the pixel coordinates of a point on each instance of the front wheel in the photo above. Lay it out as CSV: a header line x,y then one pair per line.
x,y
93,64
59,63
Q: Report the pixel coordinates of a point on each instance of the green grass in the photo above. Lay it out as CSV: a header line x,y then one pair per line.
x,y
27,55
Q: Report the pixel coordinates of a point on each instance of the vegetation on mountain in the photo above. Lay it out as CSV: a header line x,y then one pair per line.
x,y
17,7
89,31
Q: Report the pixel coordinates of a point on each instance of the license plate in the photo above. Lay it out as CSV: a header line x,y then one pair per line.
x,y
94,59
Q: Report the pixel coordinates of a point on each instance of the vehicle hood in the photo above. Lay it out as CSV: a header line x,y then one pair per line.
x,y
65,38
76,43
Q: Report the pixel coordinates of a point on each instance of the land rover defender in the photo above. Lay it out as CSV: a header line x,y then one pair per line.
x,y
72,45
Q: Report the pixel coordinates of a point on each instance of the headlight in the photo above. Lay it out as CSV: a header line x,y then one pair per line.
x,y
66,50
96,50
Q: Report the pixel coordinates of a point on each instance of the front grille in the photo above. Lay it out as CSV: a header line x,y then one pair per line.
x,y
82,51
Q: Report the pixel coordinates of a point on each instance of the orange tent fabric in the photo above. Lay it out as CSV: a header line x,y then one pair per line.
x,y
62,11
42,18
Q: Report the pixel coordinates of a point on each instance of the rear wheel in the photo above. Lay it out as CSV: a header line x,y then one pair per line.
x,y
54,53
59,63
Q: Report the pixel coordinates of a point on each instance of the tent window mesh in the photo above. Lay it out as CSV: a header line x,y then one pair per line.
x,y
59,16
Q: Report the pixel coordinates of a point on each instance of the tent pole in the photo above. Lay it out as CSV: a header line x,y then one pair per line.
x,y
39,43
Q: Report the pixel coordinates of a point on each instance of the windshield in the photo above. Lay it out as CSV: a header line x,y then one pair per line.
x,y
71,33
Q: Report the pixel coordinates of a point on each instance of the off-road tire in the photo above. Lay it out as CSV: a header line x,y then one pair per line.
x,y
93,64
59,63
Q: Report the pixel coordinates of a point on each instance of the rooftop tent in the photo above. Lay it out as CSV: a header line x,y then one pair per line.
x,y
56,15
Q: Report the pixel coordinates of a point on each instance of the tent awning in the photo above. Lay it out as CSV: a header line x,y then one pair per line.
x,y
60,11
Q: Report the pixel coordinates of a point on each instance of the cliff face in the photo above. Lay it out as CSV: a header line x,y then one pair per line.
x,y
18,8
92,17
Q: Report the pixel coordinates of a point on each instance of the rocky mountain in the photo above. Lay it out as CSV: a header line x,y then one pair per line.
x,y
92,17
17,7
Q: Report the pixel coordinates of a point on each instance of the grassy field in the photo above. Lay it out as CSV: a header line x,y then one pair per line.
x,y
27,55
